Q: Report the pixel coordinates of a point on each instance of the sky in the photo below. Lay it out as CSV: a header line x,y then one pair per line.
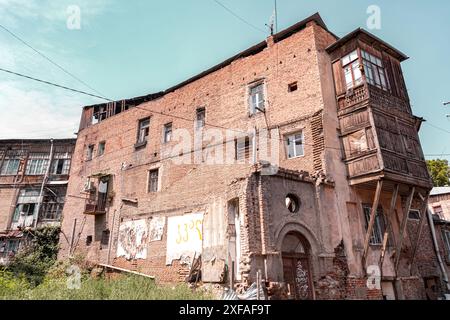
x,y
124,49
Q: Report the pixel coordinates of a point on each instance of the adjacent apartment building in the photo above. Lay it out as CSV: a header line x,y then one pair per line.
x,y
297,160
439,209
33,182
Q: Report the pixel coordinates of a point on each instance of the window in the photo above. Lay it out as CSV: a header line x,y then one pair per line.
x,y
414,215
37,164
379,226
446,239
257,103
438,211
167,133
53,204
101,148
144,130
153,181
24,210
90,152
374,71
243,148
293,87
201,118
61,164
294,145
10,166
358,143
292,203
352,70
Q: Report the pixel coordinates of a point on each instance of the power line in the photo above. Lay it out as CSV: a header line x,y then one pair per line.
x,y
239,17
436,127
49,60
54,84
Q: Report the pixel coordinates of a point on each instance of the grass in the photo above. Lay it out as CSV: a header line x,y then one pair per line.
x,y
55,287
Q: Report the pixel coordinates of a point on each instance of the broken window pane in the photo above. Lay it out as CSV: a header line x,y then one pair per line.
x,y
90,153
101,148
144,130
357,142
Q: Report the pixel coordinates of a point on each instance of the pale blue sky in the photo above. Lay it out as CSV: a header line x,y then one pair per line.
x,y
131,48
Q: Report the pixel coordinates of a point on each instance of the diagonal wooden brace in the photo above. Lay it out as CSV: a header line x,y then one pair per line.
x,y
373,213
423,215
403,228
389,225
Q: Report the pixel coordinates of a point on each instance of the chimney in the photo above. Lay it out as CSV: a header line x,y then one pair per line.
x,y
270,41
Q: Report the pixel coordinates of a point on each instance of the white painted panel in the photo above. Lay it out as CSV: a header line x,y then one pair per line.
x,y
184,237
157,228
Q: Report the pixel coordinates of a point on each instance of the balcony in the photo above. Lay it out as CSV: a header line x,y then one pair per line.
x,y
96,207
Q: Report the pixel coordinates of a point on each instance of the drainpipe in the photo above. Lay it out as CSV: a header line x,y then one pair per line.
x,y
44,181
436,247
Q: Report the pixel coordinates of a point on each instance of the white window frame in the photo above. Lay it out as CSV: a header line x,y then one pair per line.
x,y
143,130
10,170
351,67
167,135
149,180
37,164
293,137
253,105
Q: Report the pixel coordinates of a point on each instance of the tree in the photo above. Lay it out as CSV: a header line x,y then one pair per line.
x,y
37,255
440,172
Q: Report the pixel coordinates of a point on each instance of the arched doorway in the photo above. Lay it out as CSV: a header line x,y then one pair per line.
x,y
297,267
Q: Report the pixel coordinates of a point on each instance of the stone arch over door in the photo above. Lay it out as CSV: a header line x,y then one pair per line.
x,y
298,250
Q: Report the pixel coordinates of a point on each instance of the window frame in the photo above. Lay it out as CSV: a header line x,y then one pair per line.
x,y
101,149
354,64
287,144
377,237
377,70
37,164
167,134
90,152
252,106
247,141
200,123
151,181
5,170
446,240
415,211
143,139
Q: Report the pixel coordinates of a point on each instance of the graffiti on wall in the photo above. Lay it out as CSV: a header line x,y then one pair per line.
x,y
133,239
184,237
157,228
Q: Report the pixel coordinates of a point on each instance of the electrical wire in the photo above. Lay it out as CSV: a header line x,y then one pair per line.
x,y
49,60
239,17
54,84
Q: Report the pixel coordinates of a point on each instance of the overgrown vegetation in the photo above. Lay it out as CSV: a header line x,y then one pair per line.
x,y
36,258
440,172
35,274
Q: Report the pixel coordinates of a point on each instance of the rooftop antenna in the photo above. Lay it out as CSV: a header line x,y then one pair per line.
x,y
273,22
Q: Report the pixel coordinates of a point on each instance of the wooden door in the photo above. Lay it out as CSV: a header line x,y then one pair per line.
x,y
297,276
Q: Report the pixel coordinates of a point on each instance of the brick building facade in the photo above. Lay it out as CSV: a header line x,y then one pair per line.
x,y
300,158
33,181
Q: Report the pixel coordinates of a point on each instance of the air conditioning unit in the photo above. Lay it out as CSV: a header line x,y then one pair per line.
x,y
88,186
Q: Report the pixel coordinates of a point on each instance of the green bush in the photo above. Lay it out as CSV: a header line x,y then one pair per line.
x,y
38,256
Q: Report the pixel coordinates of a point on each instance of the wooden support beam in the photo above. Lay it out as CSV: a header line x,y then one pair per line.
x,y
373,213
423,215
403,228
389,224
